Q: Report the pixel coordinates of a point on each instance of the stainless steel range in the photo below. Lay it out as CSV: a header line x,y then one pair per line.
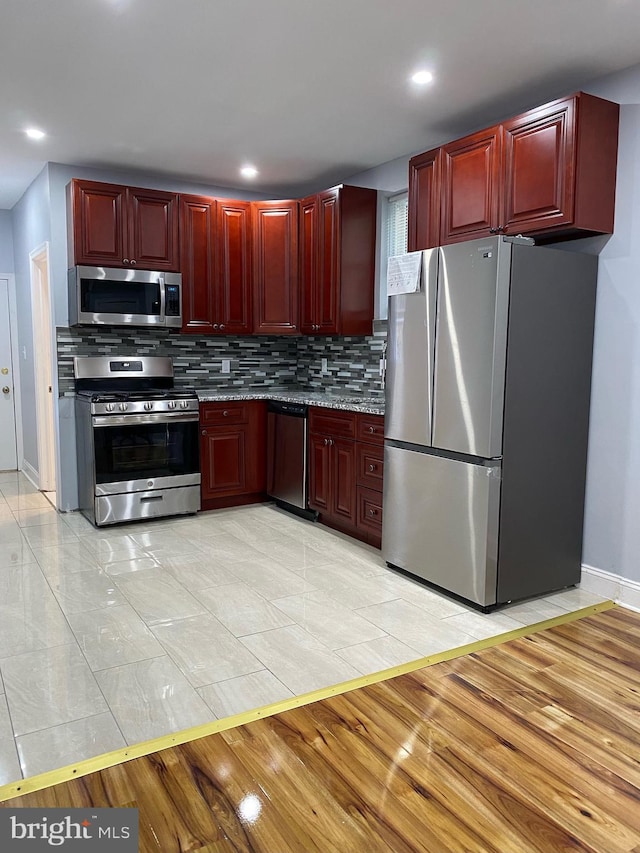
x,y
137,440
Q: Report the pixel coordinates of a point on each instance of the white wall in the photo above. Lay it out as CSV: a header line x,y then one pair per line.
x,y
612,516
6,242
31,227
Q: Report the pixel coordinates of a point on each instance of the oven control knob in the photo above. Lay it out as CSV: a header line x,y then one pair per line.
x,y
123,407
184,404
172,404
148,406
110,407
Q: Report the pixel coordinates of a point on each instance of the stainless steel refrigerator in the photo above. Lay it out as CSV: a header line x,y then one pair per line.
x,y
486,424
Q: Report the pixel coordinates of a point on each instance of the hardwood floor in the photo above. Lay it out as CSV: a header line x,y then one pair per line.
x,y
533,745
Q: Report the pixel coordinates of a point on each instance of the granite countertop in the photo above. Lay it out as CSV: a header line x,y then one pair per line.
x,y
326,399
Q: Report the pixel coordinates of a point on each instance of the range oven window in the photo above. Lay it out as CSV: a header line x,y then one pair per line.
x,y
103,296
143,451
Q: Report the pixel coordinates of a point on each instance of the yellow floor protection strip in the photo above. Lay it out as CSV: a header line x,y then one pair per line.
x,y
119,756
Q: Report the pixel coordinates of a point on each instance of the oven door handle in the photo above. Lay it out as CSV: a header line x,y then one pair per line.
x,y
134,420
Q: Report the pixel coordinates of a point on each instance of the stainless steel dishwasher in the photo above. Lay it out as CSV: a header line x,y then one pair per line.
x,y
287,456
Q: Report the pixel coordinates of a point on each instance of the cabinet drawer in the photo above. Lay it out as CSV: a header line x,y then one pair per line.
x,y
223,413
369,464
332,422
370,428
369,510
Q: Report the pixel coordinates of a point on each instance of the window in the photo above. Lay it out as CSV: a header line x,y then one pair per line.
x,y
397,223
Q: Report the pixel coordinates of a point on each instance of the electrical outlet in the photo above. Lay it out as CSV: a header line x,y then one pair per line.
x,y
325,365
226,365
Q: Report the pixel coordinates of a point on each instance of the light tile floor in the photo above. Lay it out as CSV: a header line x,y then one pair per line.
x,y
110,637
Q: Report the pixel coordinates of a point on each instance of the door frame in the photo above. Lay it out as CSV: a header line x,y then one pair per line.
x,y
15,366
44,361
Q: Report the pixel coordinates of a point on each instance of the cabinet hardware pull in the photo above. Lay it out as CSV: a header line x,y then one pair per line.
x,y
126,261
204,432
225,414
326,441
6,389
215,325
372,429
222,325
372,467
373,511
133,263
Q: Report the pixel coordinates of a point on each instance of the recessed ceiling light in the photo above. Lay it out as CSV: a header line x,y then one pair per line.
x,y
34,133
422,77
248,171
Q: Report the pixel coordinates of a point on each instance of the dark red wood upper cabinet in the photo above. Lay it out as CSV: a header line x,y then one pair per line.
x,y
424,201
550,172
337,256
197,262
560,168
308,263
117,226
153,229
97,223
470,186
216,265
233,266
275,267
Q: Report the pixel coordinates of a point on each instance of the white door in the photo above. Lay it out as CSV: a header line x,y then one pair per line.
x,y
8,454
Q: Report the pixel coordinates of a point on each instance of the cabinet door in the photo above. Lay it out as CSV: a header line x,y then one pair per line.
x,y
320,473
344,504
309,264
470,186
233,257
153,229
328,283
222,459
539,168
197,264
275,272
424,201
99,224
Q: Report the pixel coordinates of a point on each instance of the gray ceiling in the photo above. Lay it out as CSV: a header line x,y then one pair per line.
x,y
311,91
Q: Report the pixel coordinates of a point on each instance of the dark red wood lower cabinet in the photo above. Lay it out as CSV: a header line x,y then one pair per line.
x,y
232,453
345,474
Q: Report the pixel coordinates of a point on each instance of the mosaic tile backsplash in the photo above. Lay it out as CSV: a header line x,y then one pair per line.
x,y
353,363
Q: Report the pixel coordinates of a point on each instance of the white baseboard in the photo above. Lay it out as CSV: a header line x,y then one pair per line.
x,y
622,590
30,473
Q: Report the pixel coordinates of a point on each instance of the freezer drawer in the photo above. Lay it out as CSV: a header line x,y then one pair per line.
x,y
440,521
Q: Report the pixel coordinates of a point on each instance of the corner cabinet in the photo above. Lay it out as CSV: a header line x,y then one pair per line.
x,y
117,226
216,265
549,172
337,261
232,453
275,267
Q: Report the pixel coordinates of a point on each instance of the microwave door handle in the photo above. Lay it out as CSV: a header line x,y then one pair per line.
x,y
162,297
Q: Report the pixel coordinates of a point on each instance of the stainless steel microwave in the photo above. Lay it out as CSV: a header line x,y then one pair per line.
x,y
114,297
